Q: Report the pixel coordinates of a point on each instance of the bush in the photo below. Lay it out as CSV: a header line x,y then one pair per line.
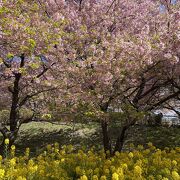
x,y
64,163
155,119
4,116
24,114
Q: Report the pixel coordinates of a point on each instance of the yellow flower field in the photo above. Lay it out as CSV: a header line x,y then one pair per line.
x,y
65,163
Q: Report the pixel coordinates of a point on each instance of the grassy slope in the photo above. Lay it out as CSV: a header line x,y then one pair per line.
x,y
37,135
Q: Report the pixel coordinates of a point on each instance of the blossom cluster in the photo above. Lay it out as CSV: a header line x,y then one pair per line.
x,y
66,163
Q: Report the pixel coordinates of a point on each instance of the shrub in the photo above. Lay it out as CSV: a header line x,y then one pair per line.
x,y
24,114
4,116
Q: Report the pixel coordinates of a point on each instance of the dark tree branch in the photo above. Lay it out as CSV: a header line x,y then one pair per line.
x,y
153,87
151,96
22,60
48,15
45,69
160,102
168,106
110,6
6,64
29,96
43,72
80,4
140,91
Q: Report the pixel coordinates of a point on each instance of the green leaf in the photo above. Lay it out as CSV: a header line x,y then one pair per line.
x,y
32,43
10,55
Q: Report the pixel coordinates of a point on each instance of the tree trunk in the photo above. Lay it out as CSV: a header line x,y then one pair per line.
x,y
105,132
14,112
106,138
14,115
2,148
14,105
120,140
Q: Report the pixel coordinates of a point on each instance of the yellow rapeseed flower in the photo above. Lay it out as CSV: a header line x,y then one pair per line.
x,y
137,164
41,172
103,178
113,169
48,147
174,162
27,151
115,176
108,162
30,162
106,171
159,176
131,155
84,177
33,169
120,172
2,172
140,147
124,166
96,171
94,177
21,178
78,170
56,145
13,162
56,150
137,170
56,163
175,175
150,144
13,147
62,160
6,141
63,152
151,177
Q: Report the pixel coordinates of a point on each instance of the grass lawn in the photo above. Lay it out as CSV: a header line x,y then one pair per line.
x,y
37,135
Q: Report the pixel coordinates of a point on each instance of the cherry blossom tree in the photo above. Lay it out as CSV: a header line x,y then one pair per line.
x,y
124,52
27,43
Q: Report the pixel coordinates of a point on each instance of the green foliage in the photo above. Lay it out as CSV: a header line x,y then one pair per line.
x,y
46,116
4,116
9,55
32,43
128,114
116,116
24,114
